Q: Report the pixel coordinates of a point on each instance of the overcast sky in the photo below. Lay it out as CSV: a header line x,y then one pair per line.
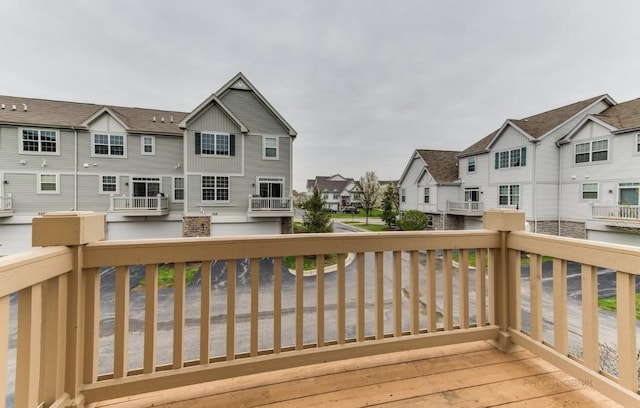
x,y
364,83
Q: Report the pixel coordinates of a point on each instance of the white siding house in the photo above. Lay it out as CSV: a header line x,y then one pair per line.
x,y
225,168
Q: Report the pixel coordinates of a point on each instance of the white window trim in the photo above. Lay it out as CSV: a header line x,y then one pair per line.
x,y
39,183
590,143
153,145
509,203
215,201
637,143
101,184
173,189
475,164
426,193
110,156
582,191
39,152
264,147
215,137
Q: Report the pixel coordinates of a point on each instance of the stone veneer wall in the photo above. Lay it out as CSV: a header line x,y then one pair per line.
x,y
451,222
199,226
546,227
573,229
286,225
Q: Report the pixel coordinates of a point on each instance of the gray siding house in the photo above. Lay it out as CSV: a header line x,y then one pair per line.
x,y
224,168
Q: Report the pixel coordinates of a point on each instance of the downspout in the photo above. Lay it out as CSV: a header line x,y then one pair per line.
x,y
535,188
559,199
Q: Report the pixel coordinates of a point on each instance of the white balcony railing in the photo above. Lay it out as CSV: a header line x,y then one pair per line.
x,y
270,204
473,207
624,212
6,205
140,205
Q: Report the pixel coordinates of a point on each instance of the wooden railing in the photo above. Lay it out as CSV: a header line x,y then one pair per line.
x,y
624,212
244,312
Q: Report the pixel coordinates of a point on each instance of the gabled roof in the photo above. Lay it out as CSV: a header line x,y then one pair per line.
x,y
330,183
61,114
536,126
212,99
441,164
623,116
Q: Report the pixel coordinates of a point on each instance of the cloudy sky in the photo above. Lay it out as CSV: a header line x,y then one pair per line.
x,y
363,82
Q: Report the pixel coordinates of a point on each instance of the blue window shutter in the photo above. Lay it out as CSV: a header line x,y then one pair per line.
x,y
198,143
232,145
523,157
497,161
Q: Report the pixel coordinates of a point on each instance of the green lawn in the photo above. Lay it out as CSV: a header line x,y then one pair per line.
x,y
368,227
361,214
166,275
472,258
310,261
611,304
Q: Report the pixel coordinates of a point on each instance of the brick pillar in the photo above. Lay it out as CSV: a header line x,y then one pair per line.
x,y
286,225
196,226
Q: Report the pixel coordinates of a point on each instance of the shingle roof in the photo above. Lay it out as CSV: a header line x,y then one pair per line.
x,y
325,183
49,113
537,125
441,164
625,115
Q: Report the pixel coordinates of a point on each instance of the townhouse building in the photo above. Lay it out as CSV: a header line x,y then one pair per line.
x,y
573,170
224,168
336,190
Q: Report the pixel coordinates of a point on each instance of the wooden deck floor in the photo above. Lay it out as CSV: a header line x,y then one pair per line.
x,y
467,375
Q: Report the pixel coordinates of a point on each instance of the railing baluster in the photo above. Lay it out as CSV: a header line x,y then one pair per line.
x,y
150,317
447,278
231,308
121,333
481,288
319,300
463,288
178,314
91,324
379,296
432,317
255,287
515,305
560,317
54,326
414,293
28,347
341,307
299,302
494,263
590,343
4,345
397,293
360,297
535,296
626,316
205,311
277,305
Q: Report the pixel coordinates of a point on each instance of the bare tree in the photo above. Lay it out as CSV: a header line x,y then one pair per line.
x,y
370,190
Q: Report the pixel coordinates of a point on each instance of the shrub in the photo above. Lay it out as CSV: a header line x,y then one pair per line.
x,y
413,220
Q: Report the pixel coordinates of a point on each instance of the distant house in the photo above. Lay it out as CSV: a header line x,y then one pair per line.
x,y
337,191
573,170
429,183
223,168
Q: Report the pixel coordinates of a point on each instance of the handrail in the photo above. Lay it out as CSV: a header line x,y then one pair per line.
x,y
625,212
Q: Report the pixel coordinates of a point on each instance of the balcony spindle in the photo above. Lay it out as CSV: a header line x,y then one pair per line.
x,y
319,300
28,347
397,293
414,293
4,344
432,317
481,288
590,343
54,312
379,294
560,323
150,317
447,292
514,269
299,302
627,343
463,288
121,340
231,309
341,307
360,297
178,314
277,304
91,323
205,311
535,281
255,305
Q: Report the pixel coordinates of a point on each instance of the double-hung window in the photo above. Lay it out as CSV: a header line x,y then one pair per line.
x,y
48,183
592,151
215,144
638,143
108,184
270,149
471,164
215,189
39,141
109,145
178,188
148,145
427,195
509,195
589,191
511,158
403,195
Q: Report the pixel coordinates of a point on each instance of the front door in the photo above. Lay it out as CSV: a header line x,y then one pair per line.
x,y
270,188
145,191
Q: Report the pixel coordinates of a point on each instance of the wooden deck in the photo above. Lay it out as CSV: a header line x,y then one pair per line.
x,y
466,375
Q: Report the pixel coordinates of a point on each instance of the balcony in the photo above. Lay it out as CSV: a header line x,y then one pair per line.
x,y
6,206
139,206
473,208
617,215
270,207
246,329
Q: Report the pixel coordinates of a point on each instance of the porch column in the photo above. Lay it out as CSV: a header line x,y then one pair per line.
x,y
502,290
73,229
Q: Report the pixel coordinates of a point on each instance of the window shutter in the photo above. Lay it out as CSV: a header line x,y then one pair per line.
x,y
198,143
497,160
523,157
232,145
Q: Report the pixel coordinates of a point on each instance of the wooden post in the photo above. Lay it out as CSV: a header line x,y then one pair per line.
x,y
73,229
504,221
